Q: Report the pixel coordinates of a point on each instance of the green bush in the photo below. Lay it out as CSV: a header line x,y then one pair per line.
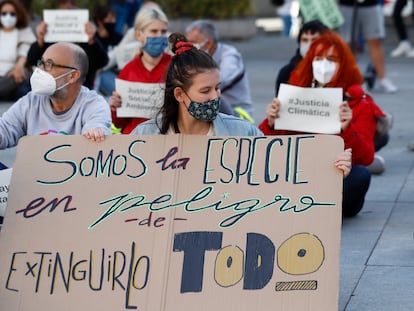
x,y
194,9
39,5
211,9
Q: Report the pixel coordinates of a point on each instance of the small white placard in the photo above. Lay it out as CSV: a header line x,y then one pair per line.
x,y
5,176
139,100
66,25
311,110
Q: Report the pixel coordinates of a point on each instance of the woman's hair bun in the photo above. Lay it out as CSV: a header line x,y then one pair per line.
x,y
179,43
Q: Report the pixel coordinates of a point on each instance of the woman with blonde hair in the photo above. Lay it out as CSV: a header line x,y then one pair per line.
x,y
149,65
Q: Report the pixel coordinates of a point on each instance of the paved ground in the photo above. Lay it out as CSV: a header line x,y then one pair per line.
x,y
377,247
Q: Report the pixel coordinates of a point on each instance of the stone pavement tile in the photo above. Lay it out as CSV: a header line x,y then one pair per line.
x,y
384,288
372,218
396,244
407,192
349,277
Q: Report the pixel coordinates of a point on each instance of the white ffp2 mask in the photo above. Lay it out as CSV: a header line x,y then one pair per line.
x,y
323,70
43,83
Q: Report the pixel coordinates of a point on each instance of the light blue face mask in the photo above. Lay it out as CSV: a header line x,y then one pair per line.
x,y
154,46
206,111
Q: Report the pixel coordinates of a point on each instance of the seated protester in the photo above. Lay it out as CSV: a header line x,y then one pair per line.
x,y
308,33
58,103
330,63
149,66
235,91
15,37
119,56
192,98
104,18
96,52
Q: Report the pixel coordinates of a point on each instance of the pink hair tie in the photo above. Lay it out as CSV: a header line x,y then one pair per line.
x,y
183,46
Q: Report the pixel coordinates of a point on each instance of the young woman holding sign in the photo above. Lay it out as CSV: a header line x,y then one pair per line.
x,y
330,63
151,63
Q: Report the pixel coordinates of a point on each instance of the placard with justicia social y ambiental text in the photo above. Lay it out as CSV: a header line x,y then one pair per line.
x,y
177,222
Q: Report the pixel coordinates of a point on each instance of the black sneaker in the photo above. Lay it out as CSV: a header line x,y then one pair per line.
x,y
370,75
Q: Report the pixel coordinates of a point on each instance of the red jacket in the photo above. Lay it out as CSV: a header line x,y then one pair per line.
x,y
135,71
361,130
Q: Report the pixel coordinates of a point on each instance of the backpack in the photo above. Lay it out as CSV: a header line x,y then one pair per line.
x,y
383,119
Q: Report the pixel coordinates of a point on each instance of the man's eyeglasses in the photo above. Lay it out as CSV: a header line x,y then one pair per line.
x,y
49,64
8,13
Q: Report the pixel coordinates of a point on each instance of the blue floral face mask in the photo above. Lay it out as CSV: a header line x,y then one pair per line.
x,y
154,46
206,111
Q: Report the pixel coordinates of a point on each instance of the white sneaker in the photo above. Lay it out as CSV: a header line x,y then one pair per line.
x,y
410,53
385,86
377,166
403,48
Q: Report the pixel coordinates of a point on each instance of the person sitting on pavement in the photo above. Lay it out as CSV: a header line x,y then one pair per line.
x,y
119,56
192,97
308,33
96,52
15,38
149,66
330,63
235,92
104,18
58,103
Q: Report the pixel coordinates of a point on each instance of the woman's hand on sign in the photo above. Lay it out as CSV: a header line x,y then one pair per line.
x,y
272,112
344,161
115,101
345,115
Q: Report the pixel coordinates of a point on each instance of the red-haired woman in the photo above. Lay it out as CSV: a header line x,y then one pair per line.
x,y
330,63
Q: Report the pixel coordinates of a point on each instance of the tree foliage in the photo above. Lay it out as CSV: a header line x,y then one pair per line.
x,y
194,9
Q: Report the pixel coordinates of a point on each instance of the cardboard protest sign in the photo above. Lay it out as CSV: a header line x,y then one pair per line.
x,y
326,11
311,110
173,222
139,100
66,25
5,176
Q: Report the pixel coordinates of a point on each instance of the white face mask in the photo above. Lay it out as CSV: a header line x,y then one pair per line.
x,y
43,83
323,70
8,21
304,48
201,46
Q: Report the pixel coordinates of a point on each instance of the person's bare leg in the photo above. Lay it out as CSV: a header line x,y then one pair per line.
x,y
376,53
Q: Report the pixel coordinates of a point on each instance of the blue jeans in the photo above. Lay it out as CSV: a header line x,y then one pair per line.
x,y
105,82
356,186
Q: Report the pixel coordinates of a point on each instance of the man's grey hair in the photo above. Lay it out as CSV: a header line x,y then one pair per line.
x,y
205,27
81,61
